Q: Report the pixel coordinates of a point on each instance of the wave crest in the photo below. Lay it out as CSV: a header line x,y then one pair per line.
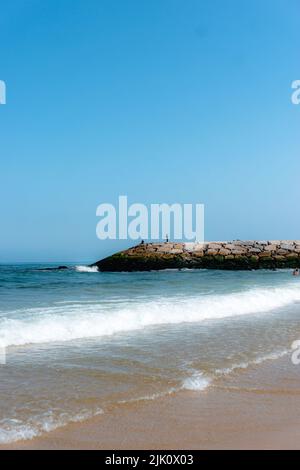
x,y
86,269
76,321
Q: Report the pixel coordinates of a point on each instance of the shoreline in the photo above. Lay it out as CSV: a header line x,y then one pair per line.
x,y
238,412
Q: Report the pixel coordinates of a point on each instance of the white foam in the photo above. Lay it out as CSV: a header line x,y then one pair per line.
x,y
87,269
260,360
153,396
71,322
197,382
13,430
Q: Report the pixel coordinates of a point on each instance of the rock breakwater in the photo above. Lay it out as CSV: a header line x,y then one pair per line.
x,y
233,255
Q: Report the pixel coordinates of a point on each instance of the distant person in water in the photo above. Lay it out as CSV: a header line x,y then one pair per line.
x,y
167,238
296,272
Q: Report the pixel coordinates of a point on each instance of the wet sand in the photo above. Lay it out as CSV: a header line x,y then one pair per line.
x,y
256,408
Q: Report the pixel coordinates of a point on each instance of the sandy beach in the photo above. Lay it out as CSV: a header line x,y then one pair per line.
x,y
254,409
150,240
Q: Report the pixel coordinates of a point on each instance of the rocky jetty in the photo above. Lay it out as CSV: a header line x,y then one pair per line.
x,y
235,255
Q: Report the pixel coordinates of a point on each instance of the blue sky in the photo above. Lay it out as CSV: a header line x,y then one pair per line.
x,y
161,100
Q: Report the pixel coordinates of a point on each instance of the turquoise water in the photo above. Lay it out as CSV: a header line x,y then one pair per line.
x,y
78,343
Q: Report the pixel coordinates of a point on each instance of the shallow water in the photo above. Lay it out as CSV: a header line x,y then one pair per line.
x,y
78,342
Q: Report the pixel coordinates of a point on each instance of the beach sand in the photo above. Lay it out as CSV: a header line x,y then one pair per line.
x,y
255,408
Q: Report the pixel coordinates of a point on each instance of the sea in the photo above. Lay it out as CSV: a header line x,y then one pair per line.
x,y
78,343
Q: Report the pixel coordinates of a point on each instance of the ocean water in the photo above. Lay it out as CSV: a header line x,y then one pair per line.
x,y
79,343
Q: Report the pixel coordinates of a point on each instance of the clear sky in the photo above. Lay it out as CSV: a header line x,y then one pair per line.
x,y
161,100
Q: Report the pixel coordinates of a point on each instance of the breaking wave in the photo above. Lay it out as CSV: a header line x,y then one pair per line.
x,y
76,321
86,269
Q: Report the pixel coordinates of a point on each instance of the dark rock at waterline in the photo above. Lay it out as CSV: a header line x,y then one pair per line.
x,y
236,255
57,268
